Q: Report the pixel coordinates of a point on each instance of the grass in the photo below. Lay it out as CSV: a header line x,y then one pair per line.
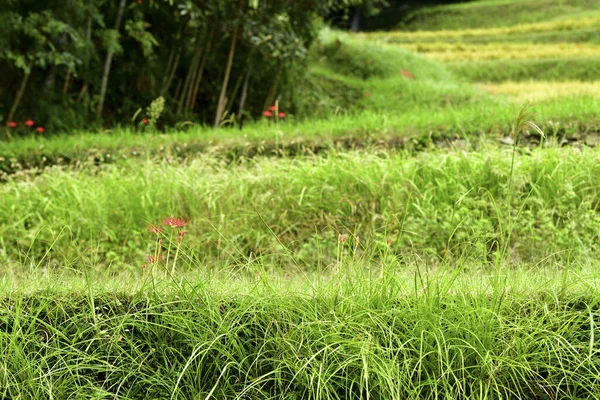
x,y
436,204
414,127
407,334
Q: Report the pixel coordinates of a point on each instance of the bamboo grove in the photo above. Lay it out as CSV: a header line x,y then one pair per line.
x,y
81,64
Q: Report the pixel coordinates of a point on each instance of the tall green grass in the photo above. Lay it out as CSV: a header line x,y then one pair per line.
x,y
289,212
410,333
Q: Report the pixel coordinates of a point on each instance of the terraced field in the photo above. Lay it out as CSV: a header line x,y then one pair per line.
x,y
425,235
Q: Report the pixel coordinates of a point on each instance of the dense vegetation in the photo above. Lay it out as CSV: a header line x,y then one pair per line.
x,y
407,230
77,64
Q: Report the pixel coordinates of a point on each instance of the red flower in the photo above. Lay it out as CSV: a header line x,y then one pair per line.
x,y
281,115
155,229
145,121
180,236
12,124
273,108
40,129
367,94
389,242
29,123
153,260
268,114
342,239
407,74
174,222
139,1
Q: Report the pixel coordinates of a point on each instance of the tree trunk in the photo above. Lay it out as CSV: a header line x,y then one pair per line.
x,y
234,92
20,92
108,61
168,69
172,66
200,72
355,23
191,73
50,79
273,88
67,81
167,85
243,98
221,103
88,37
177,88
82,92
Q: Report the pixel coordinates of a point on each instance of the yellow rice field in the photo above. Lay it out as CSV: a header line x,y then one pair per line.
x,y
540,27
502,51
541,91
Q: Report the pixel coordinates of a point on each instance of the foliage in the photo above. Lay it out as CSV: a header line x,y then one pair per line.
x,y
56,56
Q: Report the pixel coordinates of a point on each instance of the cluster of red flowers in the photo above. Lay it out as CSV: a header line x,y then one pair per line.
x,y
29,123
174,222
273,111
158,230
407,74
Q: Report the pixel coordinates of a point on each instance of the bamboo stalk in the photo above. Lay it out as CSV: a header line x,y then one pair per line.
x,y
19,96
108,61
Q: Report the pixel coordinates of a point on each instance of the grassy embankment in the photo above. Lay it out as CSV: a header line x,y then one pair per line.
x,y
487,288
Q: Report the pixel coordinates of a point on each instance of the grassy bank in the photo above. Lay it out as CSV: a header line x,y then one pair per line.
x,y
412,128
407,334
290,212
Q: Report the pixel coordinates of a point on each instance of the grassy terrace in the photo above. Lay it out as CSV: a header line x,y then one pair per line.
x,y
409,333
290,212
414,239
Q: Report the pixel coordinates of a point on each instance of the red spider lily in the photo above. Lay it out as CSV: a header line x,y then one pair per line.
x,y
388,242
273,108
407,74
12,124
139,1
40,129
155,229
153,260
281,115
180,236
367,94
145,121
29,123
268,114
174,222
342,239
